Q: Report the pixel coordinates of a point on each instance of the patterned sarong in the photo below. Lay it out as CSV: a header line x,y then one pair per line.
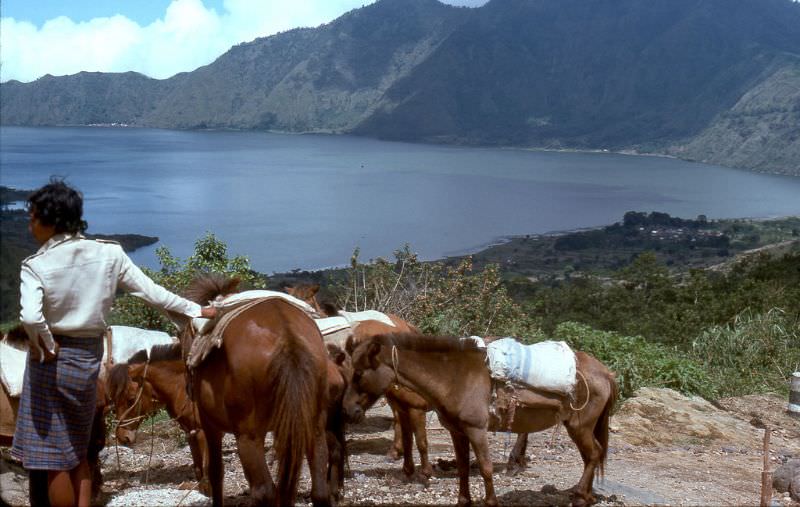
x,y
57,406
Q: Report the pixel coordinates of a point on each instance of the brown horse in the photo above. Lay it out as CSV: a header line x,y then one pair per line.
x,y
160,376
408,407
164,373
452,376
268,374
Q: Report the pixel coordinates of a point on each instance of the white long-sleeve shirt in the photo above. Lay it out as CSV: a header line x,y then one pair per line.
x,y
68,286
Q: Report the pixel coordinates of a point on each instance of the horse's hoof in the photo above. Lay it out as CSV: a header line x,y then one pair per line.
x,y
514,468
394,454
583,500
427,471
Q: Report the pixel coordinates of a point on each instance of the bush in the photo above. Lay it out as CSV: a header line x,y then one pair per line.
x,y
755,353
638,363
210,256
438,299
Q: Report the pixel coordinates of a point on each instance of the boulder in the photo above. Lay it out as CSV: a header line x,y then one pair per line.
x,y
786,478
660,416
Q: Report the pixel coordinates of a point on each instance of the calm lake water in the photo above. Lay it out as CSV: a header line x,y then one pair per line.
x,y
306,201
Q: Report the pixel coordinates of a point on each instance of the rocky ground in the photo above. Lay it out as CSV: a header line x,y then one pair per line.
x,y
666,449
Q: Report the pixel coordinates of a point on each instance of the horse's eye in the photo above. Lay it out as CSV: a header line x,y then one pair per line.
x,y
357,377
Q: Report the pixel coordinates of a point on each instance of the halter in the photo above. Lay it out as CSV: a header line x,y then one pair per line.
x,y
121,419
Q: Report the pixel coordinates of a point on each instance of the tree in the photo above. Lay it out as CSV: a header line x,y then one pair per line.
x,y
210,256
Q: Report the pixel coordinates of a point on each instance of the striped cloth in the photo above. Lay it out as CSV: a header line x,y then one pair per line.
x,y
57,406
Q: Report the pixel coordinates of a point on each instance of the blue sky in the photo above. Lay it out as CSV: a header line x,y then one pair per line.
x,y
158,38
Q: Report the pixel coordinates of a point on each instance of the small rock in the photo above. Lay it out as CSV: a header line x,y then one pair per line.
x,y
783,476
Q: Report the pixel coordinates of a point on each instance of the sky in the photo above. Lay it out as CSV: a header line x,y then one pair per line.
x,y
158,38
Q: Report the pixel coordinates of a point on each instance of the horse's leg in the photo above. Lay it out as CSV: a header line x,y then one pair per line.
x,y
199,448
407,438
517,460
97,441
421,435
317,456
215,472
480,446
583,436
397,445
336,444
461,448
251,454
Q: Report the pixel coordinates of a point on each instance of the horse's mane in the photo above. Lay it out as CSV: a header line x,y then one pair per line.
x,y
428,343
207,286
167,352
17,337
117,380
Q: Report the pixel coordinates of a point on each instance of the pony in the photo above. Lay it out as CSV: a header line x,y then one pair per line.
x,y
163,373
268,374
408,408
451,374
160,375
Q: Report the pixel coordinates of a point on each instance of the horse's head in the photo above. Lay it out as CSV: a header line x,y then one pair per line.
x,y
340,370
307,292
369,377
132,397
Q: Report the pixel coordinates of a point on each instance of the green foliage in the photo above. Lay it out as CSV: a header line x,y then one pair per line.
x,y
210,256
638,363
754,353
434,297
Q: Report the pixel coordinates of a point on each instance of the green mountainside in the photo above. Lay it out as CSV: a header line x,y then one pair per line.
x,y
709,80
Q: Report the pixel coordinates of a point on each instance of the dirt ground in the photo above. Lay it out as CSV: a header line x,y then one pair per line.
x,y
665,449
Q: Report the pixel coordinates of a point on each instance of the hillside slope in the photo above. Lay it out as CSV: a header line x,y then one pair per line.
x,y
711,80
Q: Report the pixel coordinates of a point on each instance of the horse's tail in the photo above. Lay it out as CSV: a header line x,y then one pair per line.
x,y
601,429
295,377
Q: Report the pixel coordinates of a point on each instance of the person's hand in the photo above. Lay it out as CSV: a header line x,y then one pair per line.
x,y
208,312
40,352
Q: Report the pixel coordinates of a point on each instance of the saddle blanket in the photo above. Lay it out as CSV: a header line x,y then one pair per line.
x,y
125,342
204,326
337,329
548,365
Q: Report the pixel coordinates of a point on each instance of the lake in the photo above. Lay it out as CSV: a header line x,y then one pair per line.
x,y
306,201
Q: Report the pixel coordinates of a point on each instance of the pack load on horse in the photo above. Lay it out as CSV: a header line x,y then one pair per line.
x,y
452,375
262,367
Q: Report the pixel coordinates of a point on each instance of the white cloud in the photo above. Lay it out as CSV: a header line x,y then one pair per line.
x,y
187,36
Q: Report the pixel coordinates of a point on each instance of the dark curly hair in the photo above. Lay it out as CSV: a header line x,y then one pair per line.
x,y
59,205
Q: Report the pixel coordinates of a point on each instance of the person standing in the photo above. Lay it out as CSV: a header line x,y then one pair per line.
x,y
66,291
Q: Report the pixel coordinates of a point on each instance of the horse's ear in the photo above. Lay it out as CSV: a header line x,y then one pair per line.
x,y
350,345
336,353
372,354
313,289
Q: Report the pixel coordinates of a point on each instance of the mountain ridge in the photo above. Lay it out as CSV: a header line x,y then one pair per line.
x,y
657,76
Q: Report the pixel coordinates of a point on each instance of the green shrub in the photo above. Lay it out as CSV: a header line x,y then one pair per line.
x,y
755,353
638,363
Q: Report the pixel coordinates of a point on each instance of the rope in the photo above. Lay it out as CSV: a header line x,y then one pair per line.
x,y
138,417
587,394
395,361
152,446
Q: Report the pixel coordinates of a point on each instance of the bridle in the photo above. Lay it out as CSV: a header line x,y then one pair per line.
x,y
121,422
